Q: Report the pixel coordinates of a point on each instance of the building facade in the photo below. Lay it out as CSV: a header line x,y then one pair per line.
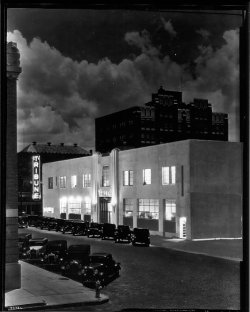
x,y
187,189
30,161
164,119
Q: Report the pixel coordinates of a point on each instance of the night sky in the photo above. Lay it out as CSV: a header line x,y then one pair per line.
x,y
79,64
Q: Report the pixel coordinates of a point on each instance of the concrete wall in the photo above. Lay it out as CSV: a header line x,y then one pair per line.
x,y
216,189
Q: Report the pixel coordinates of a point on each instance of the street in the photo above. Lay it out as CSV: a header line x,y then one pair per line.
x,y
160,278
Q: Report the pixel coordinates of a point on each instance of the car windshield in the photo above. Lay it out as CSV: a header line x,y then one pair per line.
x,y
98,259
54,248
36,243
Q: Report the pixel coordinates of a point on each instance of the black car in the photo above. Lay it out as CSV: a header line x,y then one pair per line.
x,y
54,254
102,268
108,230
45,223
33,220
123,233
141,236
80,228
52,225
68,226
94,230
23,244
22,222
76,258
37,249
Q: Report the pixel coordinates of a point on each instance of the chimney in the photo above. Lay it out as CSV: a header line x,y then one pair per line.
x,y
34,143
49,143
75,144
62,144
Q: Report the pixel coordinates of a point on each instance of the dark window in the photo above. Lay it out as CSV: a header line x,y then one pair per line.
x,y
50,182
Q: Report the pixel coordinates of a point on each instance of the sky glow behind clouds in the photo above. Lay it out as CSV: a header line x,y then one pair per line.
x,y
60,94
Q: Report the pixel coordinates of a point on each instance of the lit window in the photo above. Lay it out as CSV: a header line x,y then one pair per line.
x,y
73,181
74,205
146,176
170,209
50,182
128,207
87,180
62,182
63,205
149,209
128,177
168,175
105,176
48,209
87,207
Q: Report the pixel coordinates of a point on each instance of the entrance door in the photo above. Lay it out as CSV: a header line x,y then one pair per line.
x,y
105,214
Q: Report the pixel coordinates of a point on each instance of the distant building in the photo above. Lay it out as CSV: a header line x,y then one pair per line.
x,y
164,119
30,161
187,189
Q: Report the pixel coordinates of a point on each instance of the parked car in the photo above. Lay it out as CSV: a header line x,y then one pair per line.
x,y
23,244
33,220
80,228
54,254
102,267
22,222
37,249
141,236
52,225
94,230
45,223
76,258
123,233
68,226
108,231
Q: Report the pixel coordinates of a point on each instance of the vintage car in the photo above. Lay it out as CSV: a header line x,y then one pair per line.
x,y
22,222
102,268
52,224
123,233
37,249
94,230
76,258
23,244
45,223
68,226
108,231
33,220
141,236
80,228
54,254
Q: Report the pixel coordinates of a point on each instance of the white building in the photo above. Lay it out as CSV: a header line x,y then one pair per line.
x,y
188,189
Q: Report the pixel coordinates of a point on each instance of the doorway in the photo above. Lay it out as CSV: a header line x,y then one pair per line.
x,y
105,211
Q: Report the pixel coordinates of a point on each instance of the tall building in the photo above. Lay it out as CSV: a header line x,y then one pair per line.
x,y
30,161
187,189
164,119
12,267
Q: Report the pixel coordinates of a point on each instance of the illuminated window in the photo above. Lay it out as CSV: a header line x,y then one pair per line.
x,y
168,175
87,207
73,181
50,182
128,207
149,209
105,176
170,209
63,205
128,177
62,182
74,205
87,180
146,176
48,209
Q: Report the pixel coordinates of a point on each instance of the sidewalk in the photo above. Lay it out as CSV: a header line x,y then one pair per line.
x,y
230,249
44,289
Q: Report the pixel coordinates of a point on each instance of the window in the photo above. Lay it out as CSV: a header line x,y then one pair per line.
x,y
105,176
50,182
87,207
168,175
87,180
128,207
128,177
146,176
63,205
149,208
170,210
74,205
62,182
73,181
48,209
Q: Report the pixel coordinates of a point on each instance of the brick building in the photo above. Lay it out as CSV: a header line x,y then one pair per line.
x,y
164,119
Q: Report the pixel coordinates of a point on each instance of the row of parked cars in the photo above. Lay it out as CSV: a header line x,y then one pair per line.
x,y
75,261
121,233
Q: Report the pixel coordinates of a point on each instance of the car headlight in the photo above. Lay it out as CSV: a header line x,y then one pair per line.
x,y
101,273
63,267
